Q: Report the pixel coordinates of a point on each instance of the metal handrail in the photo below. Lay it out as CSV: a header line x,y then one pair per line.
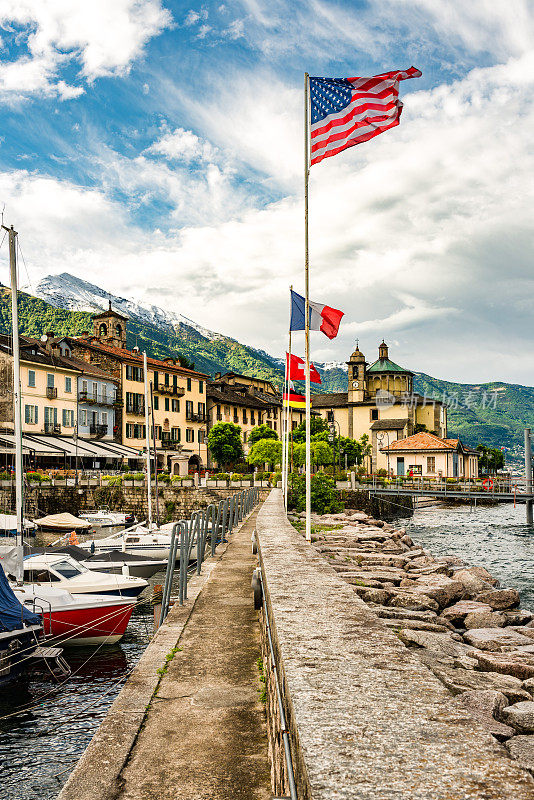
x,y
188,534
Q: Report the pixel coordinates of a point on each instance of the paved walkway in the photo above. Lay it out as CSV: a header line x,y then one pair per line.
x,y
205,734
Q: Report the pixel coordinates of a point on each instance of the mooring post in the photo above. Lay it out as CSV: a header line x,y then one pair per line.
x,y
528,474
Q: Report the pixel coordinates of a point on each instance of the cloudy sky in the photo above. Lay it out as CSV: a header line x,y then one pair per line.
x,y
156,148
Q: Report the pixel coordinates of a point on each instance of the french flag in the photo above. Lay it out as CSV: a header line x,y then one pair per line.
x,y
322,318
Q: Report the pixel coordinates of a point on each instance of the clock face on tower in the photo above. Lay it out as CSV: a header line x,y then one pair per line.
x,y
355,384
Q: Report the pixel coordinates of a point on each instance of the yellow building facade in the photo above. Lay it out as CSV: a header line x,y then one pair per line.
x,y
380,402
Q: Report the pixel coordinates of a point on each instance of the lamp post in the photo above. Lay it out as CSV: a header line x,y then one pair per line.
x,y
380,438
332,434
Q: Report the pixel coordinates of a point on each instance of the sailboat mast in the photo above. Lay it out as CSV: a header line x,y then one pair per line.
x,y
147,433
17,405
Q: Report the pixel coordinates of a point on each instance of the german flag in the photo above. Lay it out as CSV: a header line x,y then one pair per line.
x,y
294,400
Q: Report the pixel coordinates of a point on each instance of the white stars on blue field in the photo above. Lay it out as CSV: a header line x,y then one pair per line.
x,y
329,95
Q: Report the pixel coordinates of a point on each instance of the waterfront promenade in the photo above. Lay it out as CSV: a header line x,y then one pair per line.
x,y
368,663
197,732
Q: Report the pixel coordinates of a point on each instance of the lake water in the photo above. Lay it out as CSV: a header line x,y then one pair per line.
x,y
40,746
496,538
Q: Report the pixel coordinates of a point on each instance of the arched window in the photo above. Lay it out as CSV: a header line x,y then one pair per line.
x,y
118,330
103,329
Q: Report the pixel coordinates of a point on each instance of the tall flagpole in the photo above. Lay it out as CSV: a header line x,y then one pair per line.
x,y
307,306
284,430
286,455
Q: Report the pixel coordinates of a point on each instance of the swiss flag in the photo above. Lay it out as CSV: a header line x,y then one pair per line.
x,y
297,371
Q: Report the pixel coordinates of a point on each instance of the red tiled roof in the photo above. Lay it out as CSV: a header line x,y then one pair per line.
x,y
423,441
137,358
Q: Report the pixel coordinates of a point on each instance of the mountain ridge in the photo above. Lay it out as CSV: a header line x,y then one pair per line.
x,y
493,413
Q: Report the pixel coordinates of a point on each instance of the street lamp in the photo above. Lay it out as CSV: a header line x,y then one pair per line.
x,y
332,438
380,438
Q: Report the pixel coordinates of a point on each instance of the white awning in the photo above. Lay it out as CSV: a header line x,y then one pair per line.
x,y
67,445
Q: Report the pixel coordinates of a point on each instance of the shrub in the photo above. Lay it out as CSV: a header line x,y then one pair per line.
x,y
128,476
236,477
6,476
262,476
222,476
46,479
33,476
164,477
324,497
341,476
139,476
275,477
382,473
176,479
112,480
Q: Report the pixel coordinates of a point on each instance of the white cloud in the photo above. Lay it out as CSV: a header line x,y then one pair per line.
x,y
102,38
423,235
183,145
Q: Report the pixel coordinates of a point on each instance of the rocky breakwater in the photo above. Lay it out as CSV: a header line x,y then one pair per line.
x,y
470,632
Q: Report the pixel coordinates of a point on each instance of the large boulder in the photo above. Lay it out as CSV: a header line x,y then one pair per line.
x,y
473,584
458,612
485,706
521,665
484,619
441,644
518,616
520,716
459,680
521,749
497,640
440,588
412,600
500,599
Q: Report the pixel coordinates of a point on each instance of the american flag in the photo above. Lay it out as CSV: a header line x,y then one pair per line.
x,y
348,111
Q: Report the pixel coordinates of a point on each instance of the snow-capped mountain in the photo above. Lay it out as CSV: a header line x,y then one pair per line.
x,y
68,291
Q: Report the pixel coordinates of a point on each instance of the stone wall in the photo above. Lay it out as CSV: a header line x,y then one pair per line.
x,y
367,719
173,502
397,505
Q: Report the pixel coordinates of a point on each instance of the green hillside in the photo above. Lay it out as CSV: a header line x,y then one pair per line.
x,y
492,413
210,356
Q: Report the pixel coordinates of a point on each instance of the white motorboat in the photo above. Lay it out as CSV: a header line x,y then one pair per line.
x,y
141,542
114,561
103,518
86,619
64,572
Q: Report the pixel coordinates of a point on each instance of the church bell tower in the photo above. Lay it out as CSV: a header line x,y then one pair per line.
x,y
110,328
357,376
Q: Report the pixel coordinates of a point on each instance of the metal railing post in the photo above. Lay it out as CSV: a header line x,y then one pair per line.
x,y
169,573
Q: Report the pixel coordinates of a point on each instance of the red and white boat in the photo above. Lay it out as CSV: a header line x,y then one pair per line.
x,y
77,620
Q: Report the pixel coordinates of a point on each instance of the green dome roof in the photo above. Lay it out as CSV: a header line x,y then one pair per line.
x,y
385,365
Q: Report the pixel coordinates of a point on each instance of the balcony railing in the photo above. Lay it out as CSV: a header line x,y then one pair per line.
x,y
139,409
168,443
51,392
52,427
191,416
164,388
98,430
99,399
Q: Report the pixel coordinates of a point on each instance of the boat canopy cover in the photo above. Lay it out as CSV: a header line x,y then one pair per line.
x,y
11,611
64,522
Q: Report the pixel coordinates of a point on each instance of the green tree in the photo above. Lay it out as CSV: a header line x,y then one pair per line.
x,y
261,432
318,430
324,497
491,458
354,449
321,453
224,443
265,451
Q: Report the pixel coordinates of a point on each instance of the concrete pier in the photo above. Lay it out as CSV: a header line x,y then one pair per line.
x,y
367,719
198,731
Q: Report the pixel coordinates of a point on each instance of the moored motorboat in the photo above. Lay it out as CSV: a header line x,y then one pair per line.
x,y
113,561
62,522
65,572
141,542
103,518
77,620
19,629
